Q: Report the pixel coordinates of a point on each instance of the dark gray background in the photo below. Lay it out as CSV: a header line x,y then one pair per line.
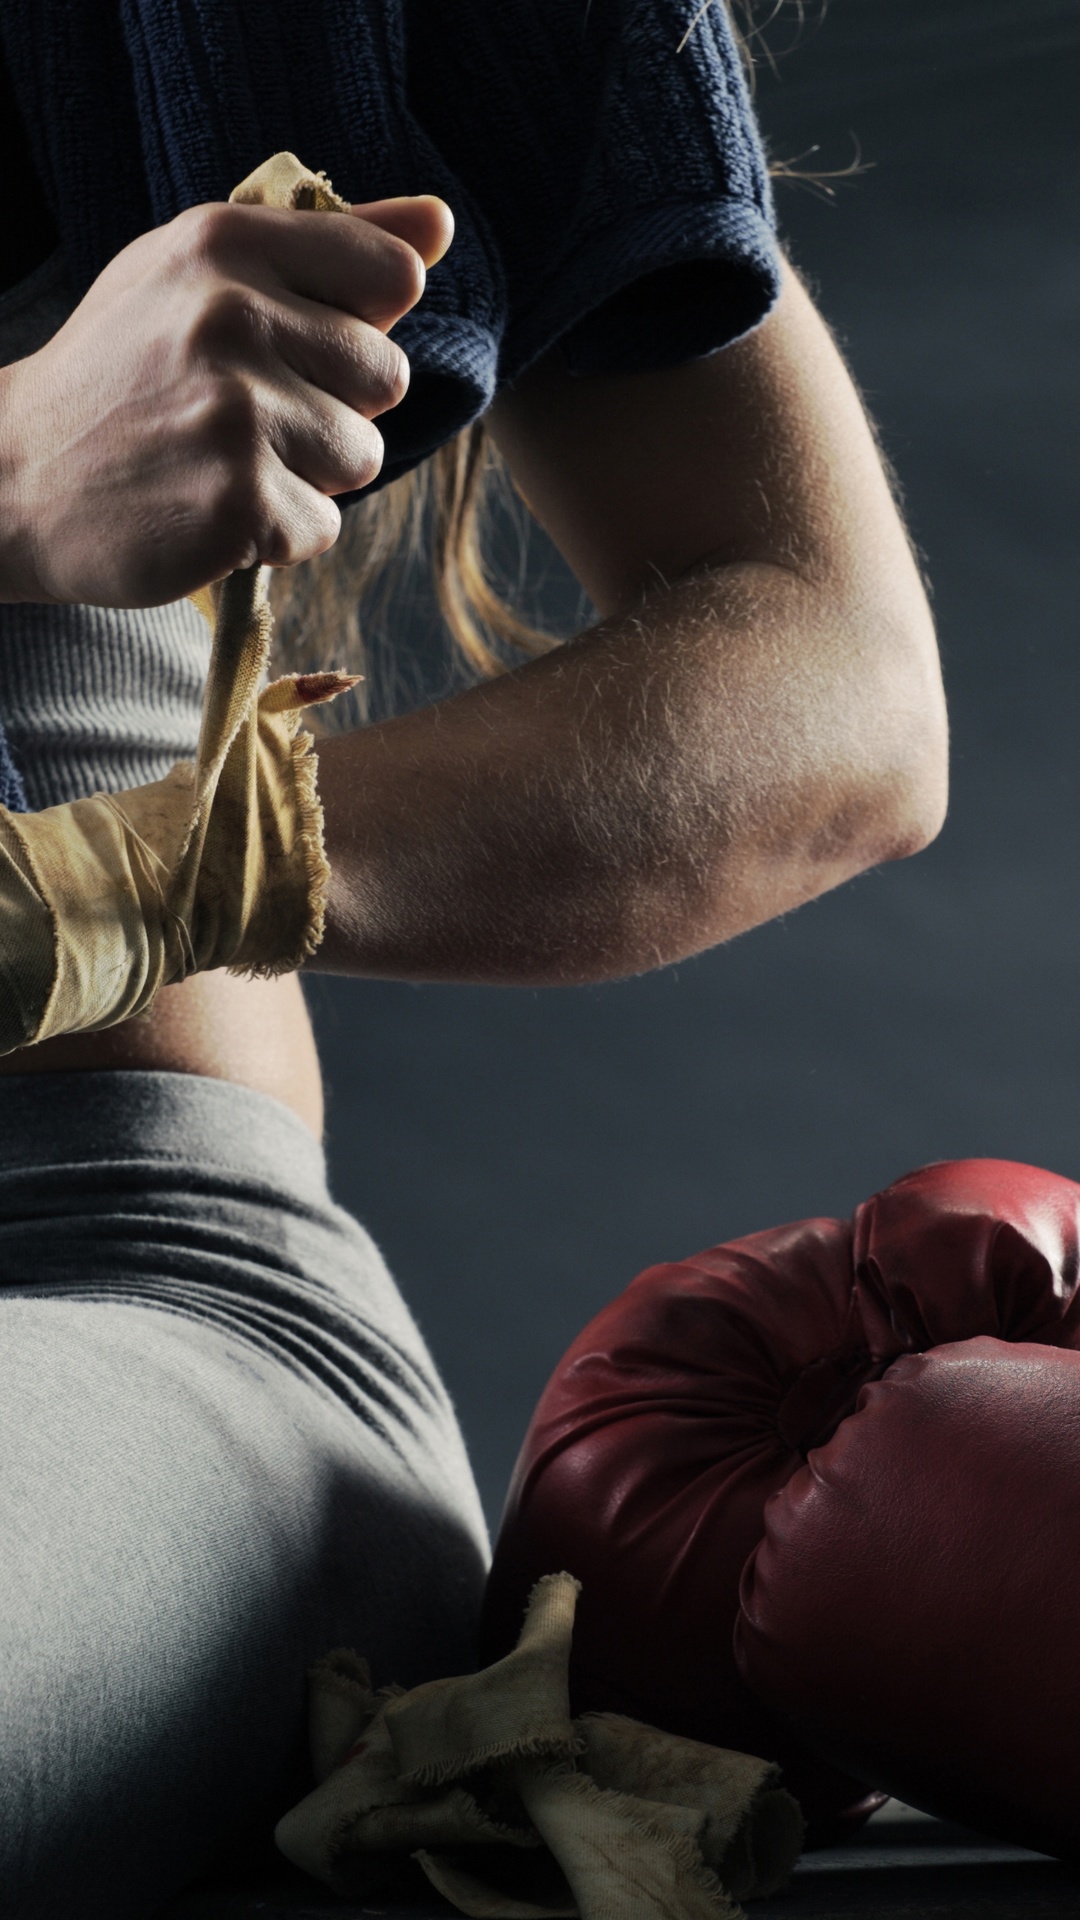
x,y
520,1155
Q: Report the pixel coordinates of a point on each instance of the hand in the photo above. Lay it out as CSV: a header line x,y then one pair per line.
x,y
218,382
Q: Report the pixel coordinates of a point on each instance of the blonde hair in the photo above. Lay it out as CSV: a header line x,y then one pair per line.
x,y
438,514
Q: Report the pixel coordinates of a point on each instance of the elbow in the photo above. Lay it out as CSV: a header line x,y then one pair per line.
x,y
904,761
888,811
871,774
745,809
858,778
921,807
853,768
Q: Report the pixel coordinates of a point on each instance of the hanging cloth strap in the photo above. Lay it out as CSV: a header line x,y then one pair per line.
x,y
221,864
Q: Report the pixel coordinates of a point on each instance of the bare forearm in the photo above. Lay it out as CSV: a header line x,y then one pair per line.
x,y
720,749
744,742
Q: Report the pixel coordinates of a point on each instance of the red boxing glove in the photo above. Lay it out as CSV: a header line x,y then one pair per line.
x,y
913,1603
700,1393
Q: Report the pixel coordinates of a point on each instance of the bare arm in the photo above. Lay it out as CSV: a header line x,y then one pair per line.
x,y
758,717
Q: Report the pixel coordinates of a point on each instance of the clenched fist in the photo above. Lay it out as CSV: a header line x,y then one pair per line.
x,y
217,384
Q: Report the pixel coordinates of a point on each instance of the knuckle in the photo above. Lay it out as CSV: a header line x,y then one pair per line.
x,y
300,530
406,274
381,371
234,422
274,548
365,463
396,378
208,230
226,320
319,532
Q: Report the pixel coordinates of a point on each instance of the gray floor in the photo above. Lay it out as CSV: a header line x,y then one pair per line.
x,y
904,1867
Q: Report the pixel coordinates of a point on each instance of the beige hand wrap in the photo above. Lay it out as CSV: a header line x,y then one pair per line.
x,y
221,864
514,1811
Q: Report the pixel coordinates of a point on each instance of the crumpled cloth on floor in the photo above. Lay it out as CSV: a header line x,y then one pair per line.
x,y
515,1811
221,864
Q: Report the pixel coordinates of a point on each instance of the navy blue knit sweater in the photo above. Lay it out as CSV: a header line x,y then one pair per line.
x,y
607,179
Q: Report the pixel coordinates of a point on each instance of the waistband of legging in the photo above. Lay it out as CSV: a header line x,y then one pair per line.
x,y
178,1119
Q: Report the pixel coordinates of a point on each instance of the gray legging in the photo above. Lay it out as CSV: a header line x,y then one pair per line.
x,y
224,1450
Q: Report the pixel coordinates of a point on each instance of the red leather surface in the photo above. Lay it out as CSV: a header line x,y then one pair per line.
x,y
699,1394
914,1603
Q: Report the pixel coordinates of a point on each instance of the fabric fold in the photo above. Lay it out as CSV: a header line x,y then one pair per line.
x,y
515,1811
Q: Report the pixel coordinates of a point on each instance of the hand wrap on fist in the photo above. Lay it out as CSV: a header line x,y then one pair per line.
x,y
221,864
822,1489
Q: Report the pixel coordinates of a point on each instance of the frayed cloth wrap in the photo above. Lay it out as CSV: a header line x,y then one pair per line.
x,y
221,864
515,1811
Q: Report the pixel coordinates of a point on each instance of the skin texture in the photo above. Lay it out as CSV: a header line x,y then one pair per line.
x,y
757,717
249,343
255,1032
